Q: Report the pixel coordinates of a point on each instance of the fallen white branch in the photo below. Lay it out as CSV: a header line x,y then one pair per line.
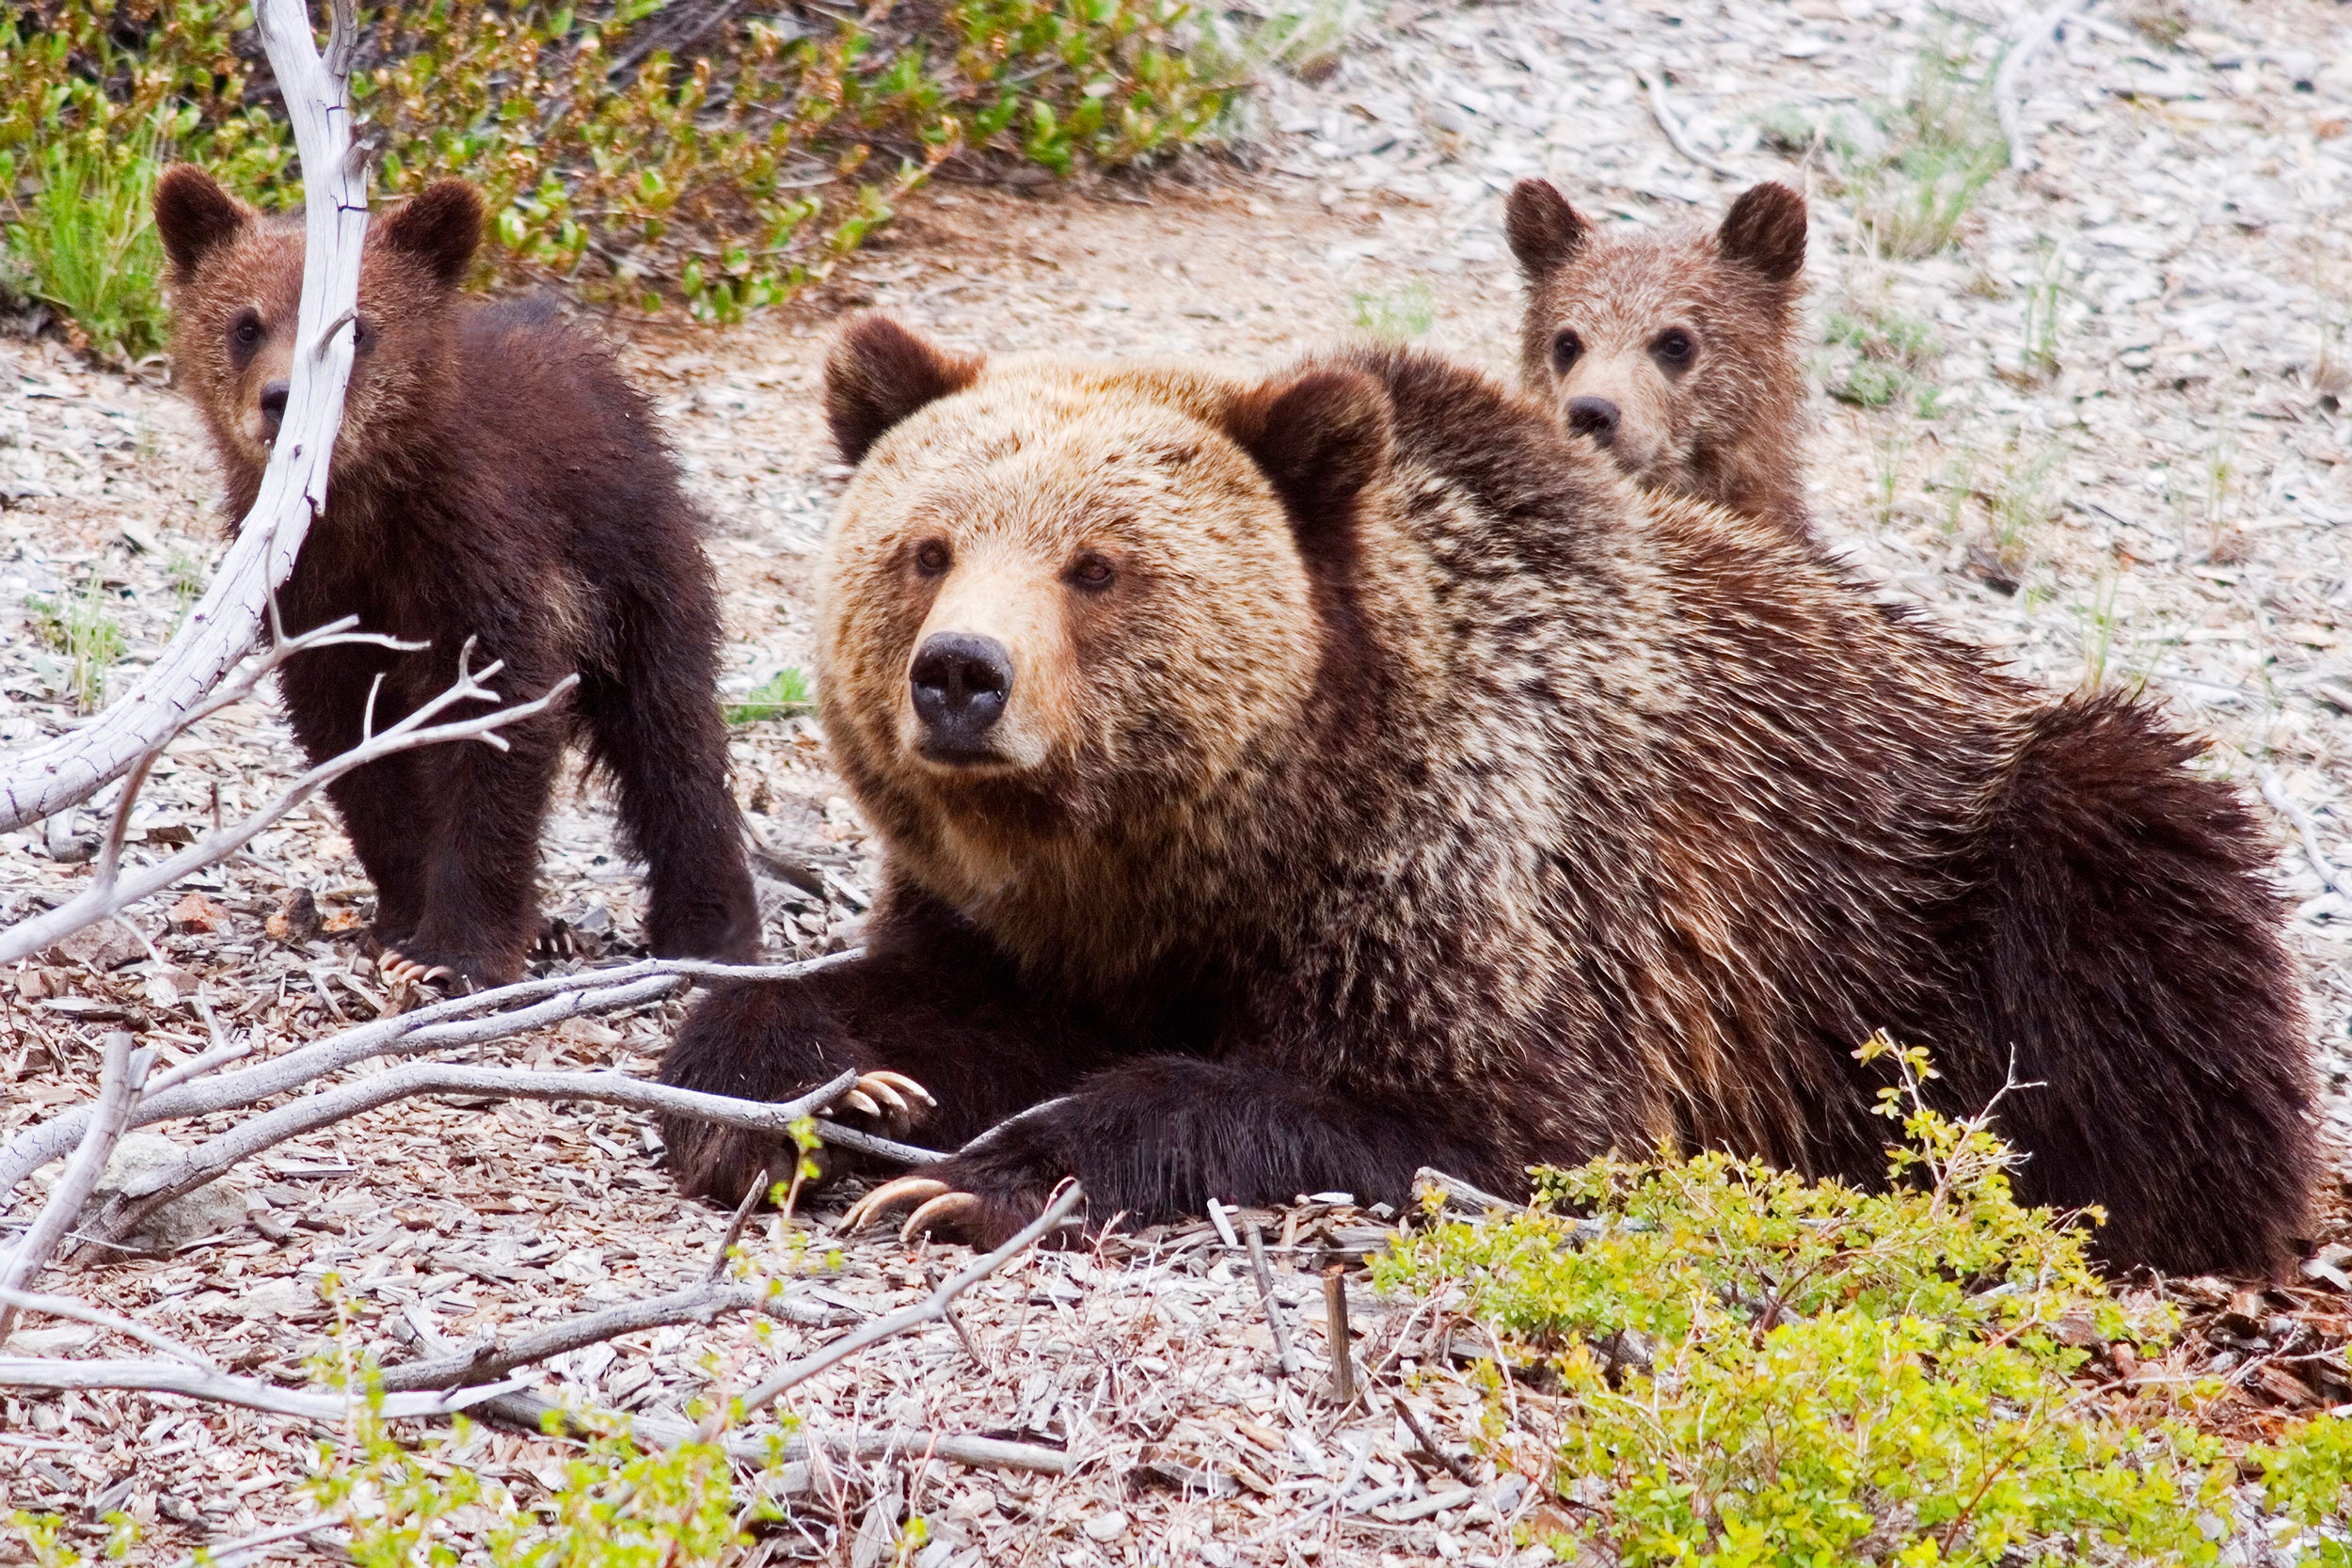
x,y
109,894
2024,44
208,1159
200,1382
488,1361
1677,137
460,1020
119,1081
82,1312
44,779
932,1308
2275,791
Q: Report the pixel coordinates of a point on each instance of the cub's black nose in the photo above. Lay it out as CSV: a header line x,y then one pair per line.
x,y
274,406
960,684
1594,417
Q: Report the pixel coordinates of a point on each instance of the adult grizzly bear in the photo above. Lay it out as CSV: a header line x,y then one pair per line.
x,y
1287,785
495,479
1674,351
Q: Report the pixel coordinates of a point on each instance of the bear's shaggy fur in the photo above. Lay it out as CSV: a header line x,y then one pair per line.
x,y
1287,786
496,479
1674,351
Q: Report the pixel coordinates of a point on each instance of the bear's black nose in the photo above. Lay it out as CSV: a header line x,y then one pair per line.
x,y
1594,417
274,406
961,683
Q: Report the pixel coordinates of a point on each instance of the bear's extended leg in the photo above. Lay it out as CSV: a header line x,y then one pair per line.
x,y
387,813
2127,947
1159,1137
656,727
928,999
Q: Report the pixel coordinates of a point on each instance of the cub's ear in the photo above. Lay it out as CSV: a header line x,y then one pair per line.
x,y
1319,439
878,374
1544,229
1764,231
440,229
194,216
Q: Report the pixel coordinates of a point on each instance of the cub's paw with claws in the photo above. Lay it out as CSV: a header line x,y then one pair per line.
x,y
894,1103
398,968
983,1195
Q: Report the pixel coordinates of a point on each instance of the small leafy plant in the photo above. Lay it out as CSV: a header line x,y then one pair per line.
x,y
83,628
1874,358
1753,1369
85,244
1397,317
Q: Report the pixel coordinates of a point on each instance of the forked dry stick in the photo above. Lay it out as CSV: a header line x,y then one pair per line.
x,y
119,1081
43,779
2024,45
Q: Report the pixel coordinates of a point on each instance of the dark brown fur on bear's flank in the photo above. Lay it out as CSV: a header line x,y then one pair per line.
x,y
496,479
1463,808
1675,352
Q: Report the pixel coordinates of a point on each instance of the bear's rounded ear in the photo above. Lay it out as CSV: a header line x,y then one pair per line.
x,y
1319,439
1764,231
195,216
441,227
1544,229
878,374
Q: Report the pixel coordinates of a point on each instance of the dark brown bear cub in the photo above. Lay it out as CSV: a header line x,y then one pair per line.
x,y
495,479
1284,785
1675,352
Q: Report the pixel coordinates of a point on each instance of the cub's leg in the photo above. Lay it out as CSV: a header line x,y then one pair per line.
x,y
2127,947
1158,1138
928,999
387,813
654,723
482,865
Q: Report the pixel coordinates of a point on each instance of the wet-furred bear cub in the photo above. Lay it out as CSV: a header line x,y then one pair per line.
x,y
495,479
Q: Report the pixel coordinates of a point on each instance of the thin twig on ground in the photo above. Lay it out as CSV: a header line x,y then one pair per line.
x,y
178,1377
2275,791
2024,45
1677,137
933,1307
1282,1354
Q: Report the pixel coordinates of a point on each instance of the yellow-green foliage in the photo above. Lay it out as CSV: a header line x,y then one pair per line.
x,y
1755,1369
643,153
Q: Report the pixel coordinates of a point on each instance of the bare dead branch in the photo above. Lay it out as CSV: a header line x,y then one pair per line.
x,y
2275,791
118,1085
487,1361
930,1310
1654,80
81,1311
42,780
106,897
177,1377
207,1160
534,1004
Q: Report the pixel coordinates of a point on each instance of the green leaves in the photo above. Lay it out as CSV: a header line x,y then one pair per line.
x,y
1762,1370
633,172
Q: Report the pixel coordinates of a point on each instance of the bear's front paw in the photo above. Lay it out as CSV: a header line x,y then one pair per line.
x,y
985,1195
410,964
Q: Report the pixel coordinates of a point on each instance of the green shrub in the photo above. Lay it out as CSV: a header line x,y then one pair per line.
x,y
85,243
641,153
83,628
1398,317
1753,1369
780,696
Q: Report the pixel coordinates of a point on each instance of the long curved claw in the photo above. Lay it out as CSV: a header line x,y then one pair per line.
x,y
943,1210
895,1088
858,1101
399,969
889,1195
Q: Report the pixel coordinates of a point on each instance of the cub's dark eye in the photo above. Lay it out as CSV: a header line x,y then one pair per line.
x,y
1567,349
246,334
1673,348
932,557
362,335
1092,572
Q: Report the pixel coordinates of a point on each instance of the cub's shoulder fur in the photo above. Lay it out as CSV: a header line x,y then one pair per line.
x,y
1288,784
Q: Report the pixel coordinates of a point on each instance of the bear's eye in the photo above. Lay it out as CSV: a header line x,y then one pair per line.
x,y
1674,349
362,335
932,557
245,334
1567,349
1090,571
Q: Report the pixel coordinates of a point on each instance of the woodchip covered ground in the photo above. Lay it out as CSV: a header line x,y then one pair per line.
x,y
2165,489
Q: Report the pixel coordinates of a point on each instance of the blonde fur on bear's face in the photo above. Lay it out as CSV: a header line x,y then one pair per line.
x,y
1141,571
